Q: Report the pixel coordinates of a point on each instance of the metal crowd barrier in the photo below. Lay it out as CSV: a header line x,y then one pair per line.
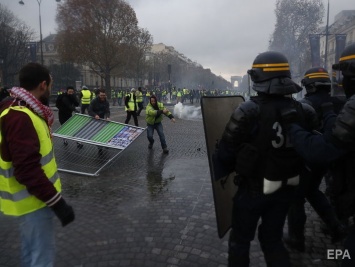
x,y
84,145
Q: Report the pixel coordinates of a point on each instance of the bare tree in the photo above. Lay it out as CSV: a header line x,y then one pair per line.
x,y
15,37
99,33
140,49
295,20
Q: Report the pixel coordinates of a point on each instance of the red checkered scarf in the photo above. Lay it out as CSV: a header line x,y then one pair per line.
x,y
33,103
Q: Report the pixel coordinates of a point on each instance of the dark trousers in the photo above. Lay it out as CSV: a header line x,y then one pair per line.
x,y
140,108
63,117
128,118
247,210
309,189
84,107
159,128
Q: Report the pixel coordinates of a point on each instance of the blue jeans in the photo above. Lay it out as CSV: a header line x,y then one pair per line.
x,y
159,128
37,238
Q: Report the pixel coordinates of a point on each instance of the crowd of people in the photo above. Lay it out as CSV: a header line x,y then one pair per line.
x,y
165,95
98,106
279,147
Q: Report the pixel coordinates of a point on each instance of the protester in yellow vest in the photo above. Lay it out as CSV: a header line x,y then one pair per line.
x,y
179,96
119,97
154,116
131,107
139,99
29,181
86,97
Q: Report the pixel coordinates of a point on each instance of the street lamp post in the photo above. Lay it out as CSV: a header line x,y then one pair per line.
x,y
1,71
326,39
40,24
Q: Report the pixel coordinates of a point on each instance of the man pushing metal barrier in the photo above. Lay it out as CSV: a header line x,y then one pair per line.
x,y
102,141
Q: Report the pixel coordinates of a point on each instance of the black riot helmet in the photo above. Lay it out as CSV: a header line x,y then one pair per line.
x,y
316,78
347,67
269,65
271,74
347,61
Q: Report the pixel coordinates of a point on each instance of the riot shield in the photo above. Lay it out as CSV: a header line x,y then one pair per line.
x,y
216,111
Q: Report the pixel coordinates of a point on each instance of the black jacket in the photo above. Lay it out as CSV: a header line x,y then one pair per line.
x,y
258,122
98,107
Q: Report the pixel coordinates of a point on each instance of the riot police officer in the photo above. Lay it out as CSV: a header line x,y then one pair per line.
x,y
318,85
336,146
267,166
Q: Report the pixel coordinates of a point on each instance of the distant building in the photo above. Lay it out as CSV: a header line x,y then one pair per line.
x,y
344,23
88,77
162,48
93,79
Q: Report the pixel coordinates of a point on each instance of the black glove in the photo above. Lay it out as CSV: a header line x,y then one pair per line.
x,y
289,116
327,107
64,212
246,159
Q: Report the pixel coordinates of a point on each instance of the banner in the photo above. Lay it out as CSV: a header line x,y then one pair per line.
x,y
315,49
337,77
339,45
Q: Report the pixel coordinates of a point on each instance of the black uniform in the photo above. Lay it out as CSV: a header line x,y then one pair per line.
x,y
336,147
66,105
317,83
267,179
264,193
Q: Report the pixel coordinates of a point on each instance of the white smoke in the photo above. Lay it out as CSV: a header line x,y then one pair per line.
x,y
187,112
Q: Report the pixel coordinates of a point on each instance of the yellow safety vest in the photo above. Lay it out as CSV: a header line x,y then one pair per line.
x,y
86,97
131,103
113,94
15,200
139,96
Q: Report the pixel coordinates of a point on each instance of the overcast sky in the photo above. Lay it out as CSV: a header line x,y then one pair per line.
x,y
223,35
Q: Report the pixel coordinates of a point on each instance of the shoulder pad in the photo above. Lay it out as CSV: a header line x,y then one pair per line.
x,y
249,108
240,121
